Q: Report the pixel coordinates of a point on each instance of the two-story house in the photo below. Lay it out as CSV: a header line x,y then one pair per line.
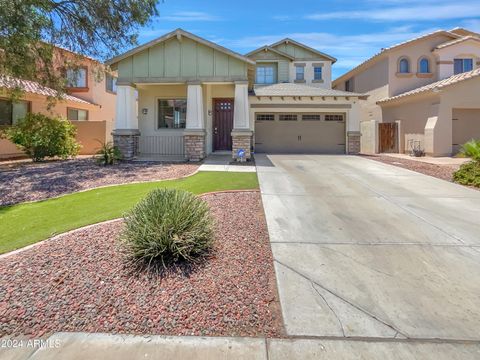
x,y
196,97
89,102
423,93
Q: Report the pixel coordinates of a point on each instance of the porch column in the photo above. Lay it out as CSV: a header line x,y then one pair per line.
x,y
241,134
194,135
353,129
125,133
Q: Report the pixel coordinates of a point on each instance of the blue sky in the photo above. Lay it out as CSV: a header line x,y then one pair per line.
x,y
351,31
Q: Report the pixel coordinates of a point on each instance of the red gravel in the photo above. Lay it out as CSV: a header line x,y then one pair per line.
x,y
79,282
444,172
21,182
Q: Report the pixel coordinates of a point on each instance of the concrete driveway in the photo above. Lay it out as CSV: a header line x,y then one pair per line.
x,y
368,250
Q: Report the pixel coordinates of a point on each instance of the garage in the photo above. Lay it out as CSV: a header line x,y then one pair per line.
x,y
300,133
465,127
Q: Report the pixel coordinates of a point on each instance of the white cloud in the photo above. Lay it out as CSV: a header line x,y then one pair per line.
x,y
190,16
435,11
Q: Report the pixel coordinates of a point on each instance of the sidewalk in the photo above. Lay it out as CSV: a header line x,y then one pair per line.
x,y
81,346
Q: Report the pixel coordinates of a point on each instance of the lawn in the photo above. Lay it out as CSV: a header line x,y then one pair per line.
x,y
25,224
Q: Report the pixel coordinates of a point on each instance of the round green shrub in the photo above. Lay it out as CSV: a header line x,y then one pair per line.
x,y
468,174
168,226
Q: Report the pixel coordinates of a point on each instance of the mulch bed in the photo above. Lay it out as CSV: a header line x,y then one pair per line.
x,y
20,182
79,282
444,172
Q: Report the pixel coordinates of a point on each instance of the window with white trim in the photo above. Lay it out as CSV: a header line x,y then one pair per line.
x,y
111,83
462,65
265,74
317,73
299,73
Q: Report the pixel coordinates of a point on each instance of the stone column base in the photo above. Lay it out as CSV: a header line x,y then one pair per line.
x,y
353,145
242,139
194,142
127,141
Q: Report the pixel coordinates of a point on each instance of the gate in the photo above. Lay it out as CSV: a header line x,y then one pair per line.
x,y
387,137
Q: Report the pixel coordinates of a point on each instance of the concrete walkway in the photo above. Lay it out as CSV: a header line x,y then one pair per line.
x,y
222,162
368,250
80,346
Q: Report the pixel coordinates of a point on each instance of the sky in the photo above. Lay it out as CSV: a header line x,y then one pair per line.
x,y
351,31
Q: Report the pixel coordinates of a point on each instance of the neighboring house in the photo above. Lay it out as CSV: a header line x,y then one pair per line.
x,y
89,103
423,93
196,97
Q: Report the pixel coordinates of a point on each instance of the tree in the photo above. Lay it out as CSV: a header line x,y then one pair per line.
x,y
29,30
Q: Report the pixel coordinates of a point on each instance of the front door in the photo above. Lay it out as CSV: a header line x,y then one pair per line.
x,y
222,124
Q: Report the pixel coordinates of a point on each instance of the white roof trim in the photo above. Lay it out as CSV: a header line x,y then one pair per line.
x,y
288,40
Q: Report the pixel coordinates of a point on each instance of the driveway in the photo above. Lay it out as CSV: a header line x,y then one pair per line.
x,y
368,250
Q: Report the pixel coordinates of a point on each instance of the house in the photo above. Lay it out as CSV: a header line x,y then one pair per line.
x,y
423,94
89,103
196,97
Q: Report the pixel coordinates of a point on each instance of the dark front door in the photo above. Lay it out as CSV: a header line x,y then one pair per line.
x,y
222,124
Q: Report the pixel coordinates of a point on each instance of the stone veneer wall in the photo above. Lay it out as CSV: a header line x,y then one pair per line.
x,y
194,147
127,143
353,146
242,141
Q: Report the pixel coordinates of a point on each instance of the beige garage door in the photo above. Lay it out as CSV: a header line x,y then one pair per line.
x,y
466,126
298,133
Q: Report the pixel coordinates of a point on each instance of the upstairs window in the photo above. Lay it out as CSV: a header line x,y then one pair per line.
x,y
77,78
403,66
424,66
172,114
11,112
111,83
299,73
462,65
317,73
265,75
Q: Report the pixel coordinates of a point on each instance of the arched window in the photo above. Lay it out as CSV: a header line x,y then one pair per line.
x,y
404,66
424,66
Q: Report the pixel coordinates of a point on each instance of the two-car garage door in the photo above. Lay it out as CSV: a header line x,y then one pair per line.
x,y
322,133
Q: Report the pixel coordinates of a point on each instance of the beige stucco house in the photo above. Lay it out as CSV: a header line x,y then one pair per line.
x,y
89,103
423,93
182,96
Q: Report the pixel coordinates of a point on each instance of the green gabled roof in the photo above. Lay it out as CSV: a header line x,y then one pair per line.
x,y
305,47
269,48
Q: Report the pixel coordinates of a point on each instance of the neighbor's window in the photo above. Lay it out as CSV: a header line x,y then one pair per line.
x,y
111,83
77,114
172,114
317,73
424,66
462,65
287,117
11,112
77,78
334,117
265,117
404,66
299,73
265,75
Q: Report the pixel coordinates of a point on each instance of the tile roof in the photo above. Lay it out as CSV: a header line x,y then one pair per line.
x,y
452,80
457,41
289,89
35,88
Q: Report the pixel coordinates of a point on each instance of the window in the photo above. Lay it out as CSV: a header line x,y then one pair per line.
x,y
172,114
287,117
265,117
77,114
265,75
311,117
111,83
462,65
424,66
317,73
11,112
403,66
299,73
348,85
334,117
77,78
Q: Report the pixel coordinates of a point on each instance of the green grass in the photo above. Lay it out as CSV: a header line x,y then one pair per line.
x,y
25,224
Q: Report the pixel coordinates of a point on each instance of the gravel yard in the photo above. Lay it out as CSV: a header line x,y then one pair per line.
x,y
79,282
20,182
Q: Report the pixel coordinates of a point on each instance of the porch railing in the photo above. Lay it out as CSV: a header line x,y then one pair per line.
x,y
168,145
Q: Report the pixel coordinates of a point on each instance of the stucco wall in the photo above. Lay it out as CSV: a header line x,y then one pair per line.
x,y
326,82
446,56
466,126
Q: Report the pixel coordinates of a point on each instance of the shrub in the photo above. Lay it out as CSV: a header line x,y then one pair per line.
x,y
471,149
108,154
41,136
166,227
468,174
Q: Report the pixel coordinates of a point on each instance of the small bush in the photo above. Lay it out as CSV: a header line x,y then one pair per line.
x,y
471,149
108,154
468,174
168,226
41,136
